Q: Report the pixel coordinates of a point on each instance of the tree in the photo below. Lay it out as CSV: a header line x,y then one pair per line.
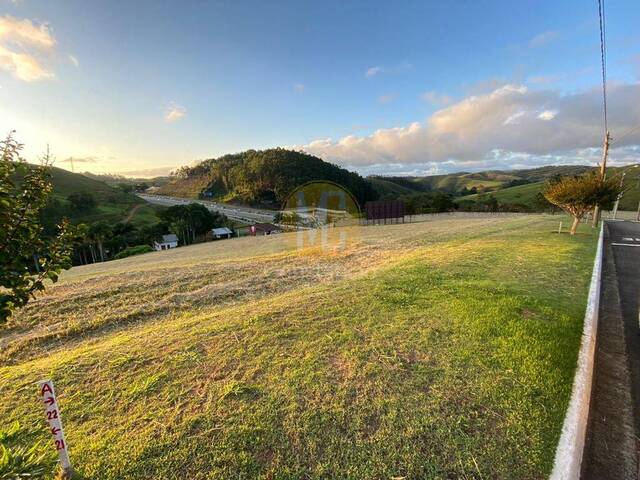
x,y
27,258
193,219
82,201
579,195
100,232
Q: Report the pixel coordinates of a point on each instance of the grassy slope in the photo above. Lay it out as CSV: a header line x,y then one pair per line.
x,y
433,350
388,188
525,194
189,187
521,194
113,205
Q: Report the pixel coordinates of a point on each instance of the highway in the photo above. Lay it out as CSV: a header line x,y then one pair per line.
x,y
240,214
611,449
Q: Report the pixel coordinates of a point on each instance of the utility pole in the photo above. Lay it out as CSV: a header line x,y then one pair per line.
x,y
603,174
615,205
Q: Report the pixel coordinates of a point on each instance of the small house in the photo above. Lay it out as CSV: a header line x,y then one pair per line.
x,y
264,229
168,241
222,232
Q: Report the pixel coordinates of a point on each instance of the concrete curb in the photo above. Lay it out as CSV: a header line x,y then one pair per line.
x,y
568,459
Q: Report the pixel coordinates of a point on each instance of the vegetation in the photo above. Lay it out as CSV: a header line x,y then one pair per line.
x,y
529,197
261,177
27,259
193,219
17,461
130,251
428,202
579,195
430,350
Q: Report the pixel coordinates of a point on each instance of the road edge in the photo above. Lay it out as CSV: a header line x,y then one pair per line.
x,y
568,459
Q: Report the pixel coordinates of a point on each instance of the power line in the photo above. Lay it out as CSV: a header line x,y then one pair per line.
x,y
627,133
603,57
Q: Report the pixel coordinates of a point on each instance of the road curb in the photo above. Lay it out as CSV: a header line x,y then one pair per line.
x,y
570,449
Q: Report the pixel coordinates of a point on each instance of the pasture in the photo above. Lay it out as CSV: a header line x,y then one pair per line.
x,y
442,349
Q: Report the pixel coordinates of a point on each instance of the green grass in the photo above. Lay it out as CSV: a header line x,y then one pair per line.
x,y
521,194
444,349
526,194
113,205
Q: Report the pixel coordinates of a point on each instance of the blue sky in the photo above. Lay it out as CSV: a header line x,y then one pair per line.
x,y
381,87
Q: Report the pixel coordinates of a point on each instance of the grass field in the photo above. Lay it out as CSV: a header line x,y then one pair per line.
x,y
526,194
444,349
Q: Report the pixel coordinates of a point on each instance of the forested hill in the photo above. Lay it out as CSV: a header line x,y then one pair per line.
x,y
261,177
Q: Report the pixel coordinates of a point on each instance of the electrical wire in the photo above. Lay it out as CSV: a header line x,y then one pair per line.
x,y
603,57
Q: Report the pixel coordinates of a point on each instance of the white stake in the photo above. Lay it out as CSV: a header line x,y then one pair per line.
x,y
560,228
54,419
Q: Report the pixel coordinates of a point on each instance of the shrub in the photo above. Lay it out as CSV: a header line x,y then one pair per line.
x,y
130,251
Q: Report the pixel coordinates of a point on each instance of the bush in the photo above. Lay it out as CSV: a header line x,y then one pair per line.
x,y
130,251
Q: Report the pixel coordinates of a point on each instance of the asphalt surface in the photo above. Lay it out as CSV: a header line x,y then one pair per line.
x,y
612,449
242,214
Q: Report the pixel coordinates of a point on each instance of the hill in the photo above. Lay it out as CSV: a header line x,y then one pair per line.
x,y
376,357
513,189
526,194
261,178
111,204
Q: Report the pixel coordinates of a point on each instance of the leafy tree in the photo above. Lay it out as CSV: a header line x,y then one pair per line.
x,y
100,232
428,202
193,219
82,201
27,258
579,195
268,176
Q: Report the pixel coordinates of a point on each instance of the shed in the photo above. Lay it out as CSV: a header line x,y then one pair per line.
x,y
222,232
167,242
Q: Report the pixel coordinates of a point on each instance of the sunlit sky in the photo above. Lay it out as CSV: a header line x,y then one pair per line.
x,y
381,87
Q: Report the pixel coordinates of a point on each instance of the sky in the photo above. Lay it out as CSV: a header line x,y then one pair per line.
x,y
402,88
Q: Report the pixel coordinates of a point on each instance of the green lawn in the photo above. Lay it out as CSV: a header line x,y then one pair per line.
x,y
444,349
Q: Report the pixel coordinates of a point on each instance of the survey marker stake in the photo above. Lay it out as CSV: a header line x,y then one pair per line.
x,y
52,415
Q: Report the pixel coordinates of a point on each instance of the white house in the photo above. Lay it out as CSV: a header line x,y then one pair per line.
x,y
222,232
168,241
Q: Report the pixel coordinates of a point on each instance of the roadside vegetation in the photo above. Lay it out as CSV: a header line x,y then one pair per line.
x,y
429,350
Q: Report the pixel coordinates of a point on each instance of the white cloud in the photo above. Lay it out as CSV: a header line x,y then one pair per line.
x,y
23,46
436,98
548,115
514,119
387,98
174,112
393,70
544,38
510,124
299,87
372,72
74,60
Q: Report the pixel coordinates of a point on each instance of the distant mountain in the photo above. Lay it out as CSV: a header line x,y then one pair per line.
x,y
261,177
115,179
513,189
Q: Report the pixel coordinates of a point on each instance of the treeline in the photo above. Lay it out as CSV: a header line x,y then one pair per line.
x,y
102,241
267,177
438,202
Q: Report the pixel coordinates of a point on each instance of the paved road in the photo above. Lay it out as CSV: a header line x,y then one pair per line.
x,y
613,434
241,214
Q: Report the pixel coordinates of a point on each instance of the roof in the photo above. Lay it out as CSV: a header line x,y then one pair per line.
x,y
172,237
221,231
267,227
